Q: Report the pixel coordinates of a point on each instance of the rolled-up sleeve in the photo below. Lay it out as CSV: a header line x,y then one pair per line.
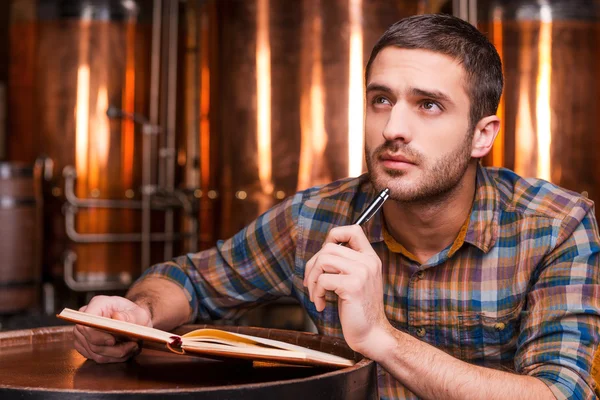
x,y
559,330
253,267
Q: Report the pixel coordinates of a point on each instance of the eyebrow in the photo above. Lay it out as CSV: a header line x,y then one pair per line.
x,y
376,87
432,94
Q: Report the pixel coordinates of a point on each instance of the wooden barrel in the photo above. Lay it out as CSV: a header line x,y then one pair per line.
x,y
42,364
19,227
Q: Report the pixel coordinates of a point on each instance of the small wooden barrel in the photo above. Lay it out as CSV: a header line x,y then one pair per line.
x,y
42,364
19,247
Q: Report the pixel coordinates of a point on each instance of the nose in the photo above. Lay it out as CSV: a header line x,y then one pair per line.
x,y
397,127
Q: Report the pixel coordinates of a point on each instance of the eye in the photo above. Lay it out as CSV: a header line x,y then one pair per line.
x,y
431,105
380,100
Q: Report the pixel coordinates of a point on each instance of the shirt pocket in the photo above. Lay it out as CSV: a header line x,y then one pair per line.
x,y
490,339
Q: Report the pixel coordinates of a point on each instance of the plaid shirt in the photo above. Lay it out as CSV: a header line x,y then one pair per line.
x,y
518,289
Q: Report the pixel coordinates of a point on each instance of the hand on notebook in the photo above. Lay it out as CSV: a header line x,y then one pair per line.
x,y
101,346
353,272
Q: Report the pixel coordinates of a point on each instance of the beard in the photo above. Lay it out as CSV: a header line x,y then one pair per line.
x,y
436,181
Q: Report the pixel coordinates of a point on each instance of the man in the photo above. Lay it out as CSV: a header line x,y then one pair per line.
x,y
465,273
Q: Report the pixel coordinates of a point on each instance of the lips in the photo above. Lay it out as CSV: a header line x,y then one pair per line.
x,y
395,158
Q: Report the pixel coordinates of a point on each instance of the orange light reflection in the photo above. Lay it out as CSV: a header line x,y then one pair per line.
x,y
204,103
102,133
82,123
127,126
524,131
312,106
497,39
542,110
355,91
263,97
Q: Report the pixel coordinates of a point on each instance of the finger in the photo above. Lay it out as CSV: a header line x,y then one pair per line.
x,y
78,344
81,350
134,315
100,305
105,354
120,351
96,336
329,282
333,249
352,235
327,263
308,267
82,346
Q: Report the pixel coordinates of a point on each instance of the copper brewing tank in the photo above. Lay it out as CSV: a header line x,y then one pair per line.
x,y
279,115
551,105
70,61
257,93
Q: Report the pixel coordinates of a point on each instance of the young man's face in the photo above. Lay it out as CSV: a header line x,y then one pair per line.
x,y
417,131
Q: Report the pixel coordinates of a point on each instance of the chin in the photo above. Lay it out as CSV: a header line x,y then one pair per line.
x,y
392,179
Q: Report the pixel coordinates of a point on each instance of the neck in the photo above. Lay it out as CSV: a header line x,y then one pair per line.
x,y
427,227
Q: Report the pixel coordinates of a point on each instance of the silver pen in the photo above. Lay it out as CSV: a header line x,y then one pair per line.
x,y
373,207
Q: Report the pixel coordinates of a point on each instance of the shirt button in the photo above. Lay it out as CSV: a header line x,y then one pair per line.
x,y
421,332
499,326
420,274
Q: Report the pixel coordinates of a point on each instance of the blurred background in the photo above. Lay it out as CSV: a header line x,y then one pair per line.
x,y
133,131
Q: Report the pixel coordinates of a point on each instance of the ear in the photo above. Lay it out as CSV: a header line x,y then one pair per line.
x,y
485,133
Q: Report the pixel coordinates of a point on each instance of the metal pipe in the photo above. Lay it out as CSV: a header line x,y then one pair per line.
x,y
77,237
157,203
472,18
465,9
147,144
460,9
2,120
170,123
194,69
79,286
190,214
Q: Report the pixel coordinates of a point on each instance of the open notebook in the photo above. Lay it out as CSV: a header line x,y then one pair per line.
x,y
212,342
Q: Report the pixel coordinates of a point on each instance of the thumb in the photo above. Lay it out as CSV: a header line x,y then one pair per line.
x,y
133,316
123,316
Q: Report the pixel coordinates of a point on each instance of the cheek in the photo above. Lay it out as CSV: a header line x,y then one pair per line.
x,y
374,126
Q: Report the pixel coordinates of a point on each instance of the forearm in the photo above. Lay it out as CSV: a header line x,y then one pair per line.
x,y
164,300
432,374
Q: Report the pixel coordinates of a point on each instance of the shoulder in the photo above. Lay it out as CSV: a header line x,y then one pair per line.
x,y
335,201
337,190
537,197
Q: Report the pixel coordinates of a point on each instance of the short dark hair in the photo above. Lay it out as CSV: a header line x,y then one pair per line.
x,y
460,40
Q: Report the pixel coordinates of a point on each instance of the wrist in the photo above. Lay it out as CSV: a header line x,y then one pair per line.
x,y
145,304
147,307
381,342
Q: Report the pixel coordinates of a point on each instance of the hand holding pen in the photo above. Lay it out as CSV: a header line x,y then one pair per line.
x,y
354,273
311,273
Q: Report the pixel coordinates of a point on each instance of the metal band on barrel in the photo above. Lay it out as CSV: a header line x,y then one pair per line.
x,y
14,202
17,284
11,170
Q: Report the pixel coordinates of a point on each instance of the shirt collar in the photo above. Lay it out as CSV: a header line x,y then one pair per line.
x,y
483,223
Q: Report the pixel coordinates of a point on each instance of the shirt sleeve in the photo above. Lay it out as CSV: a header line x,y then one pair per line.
x,y
253,267
559,330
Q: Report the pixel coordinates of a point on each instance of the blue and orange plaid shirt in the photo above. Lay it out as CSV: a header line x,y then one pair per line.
x,y
518,289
